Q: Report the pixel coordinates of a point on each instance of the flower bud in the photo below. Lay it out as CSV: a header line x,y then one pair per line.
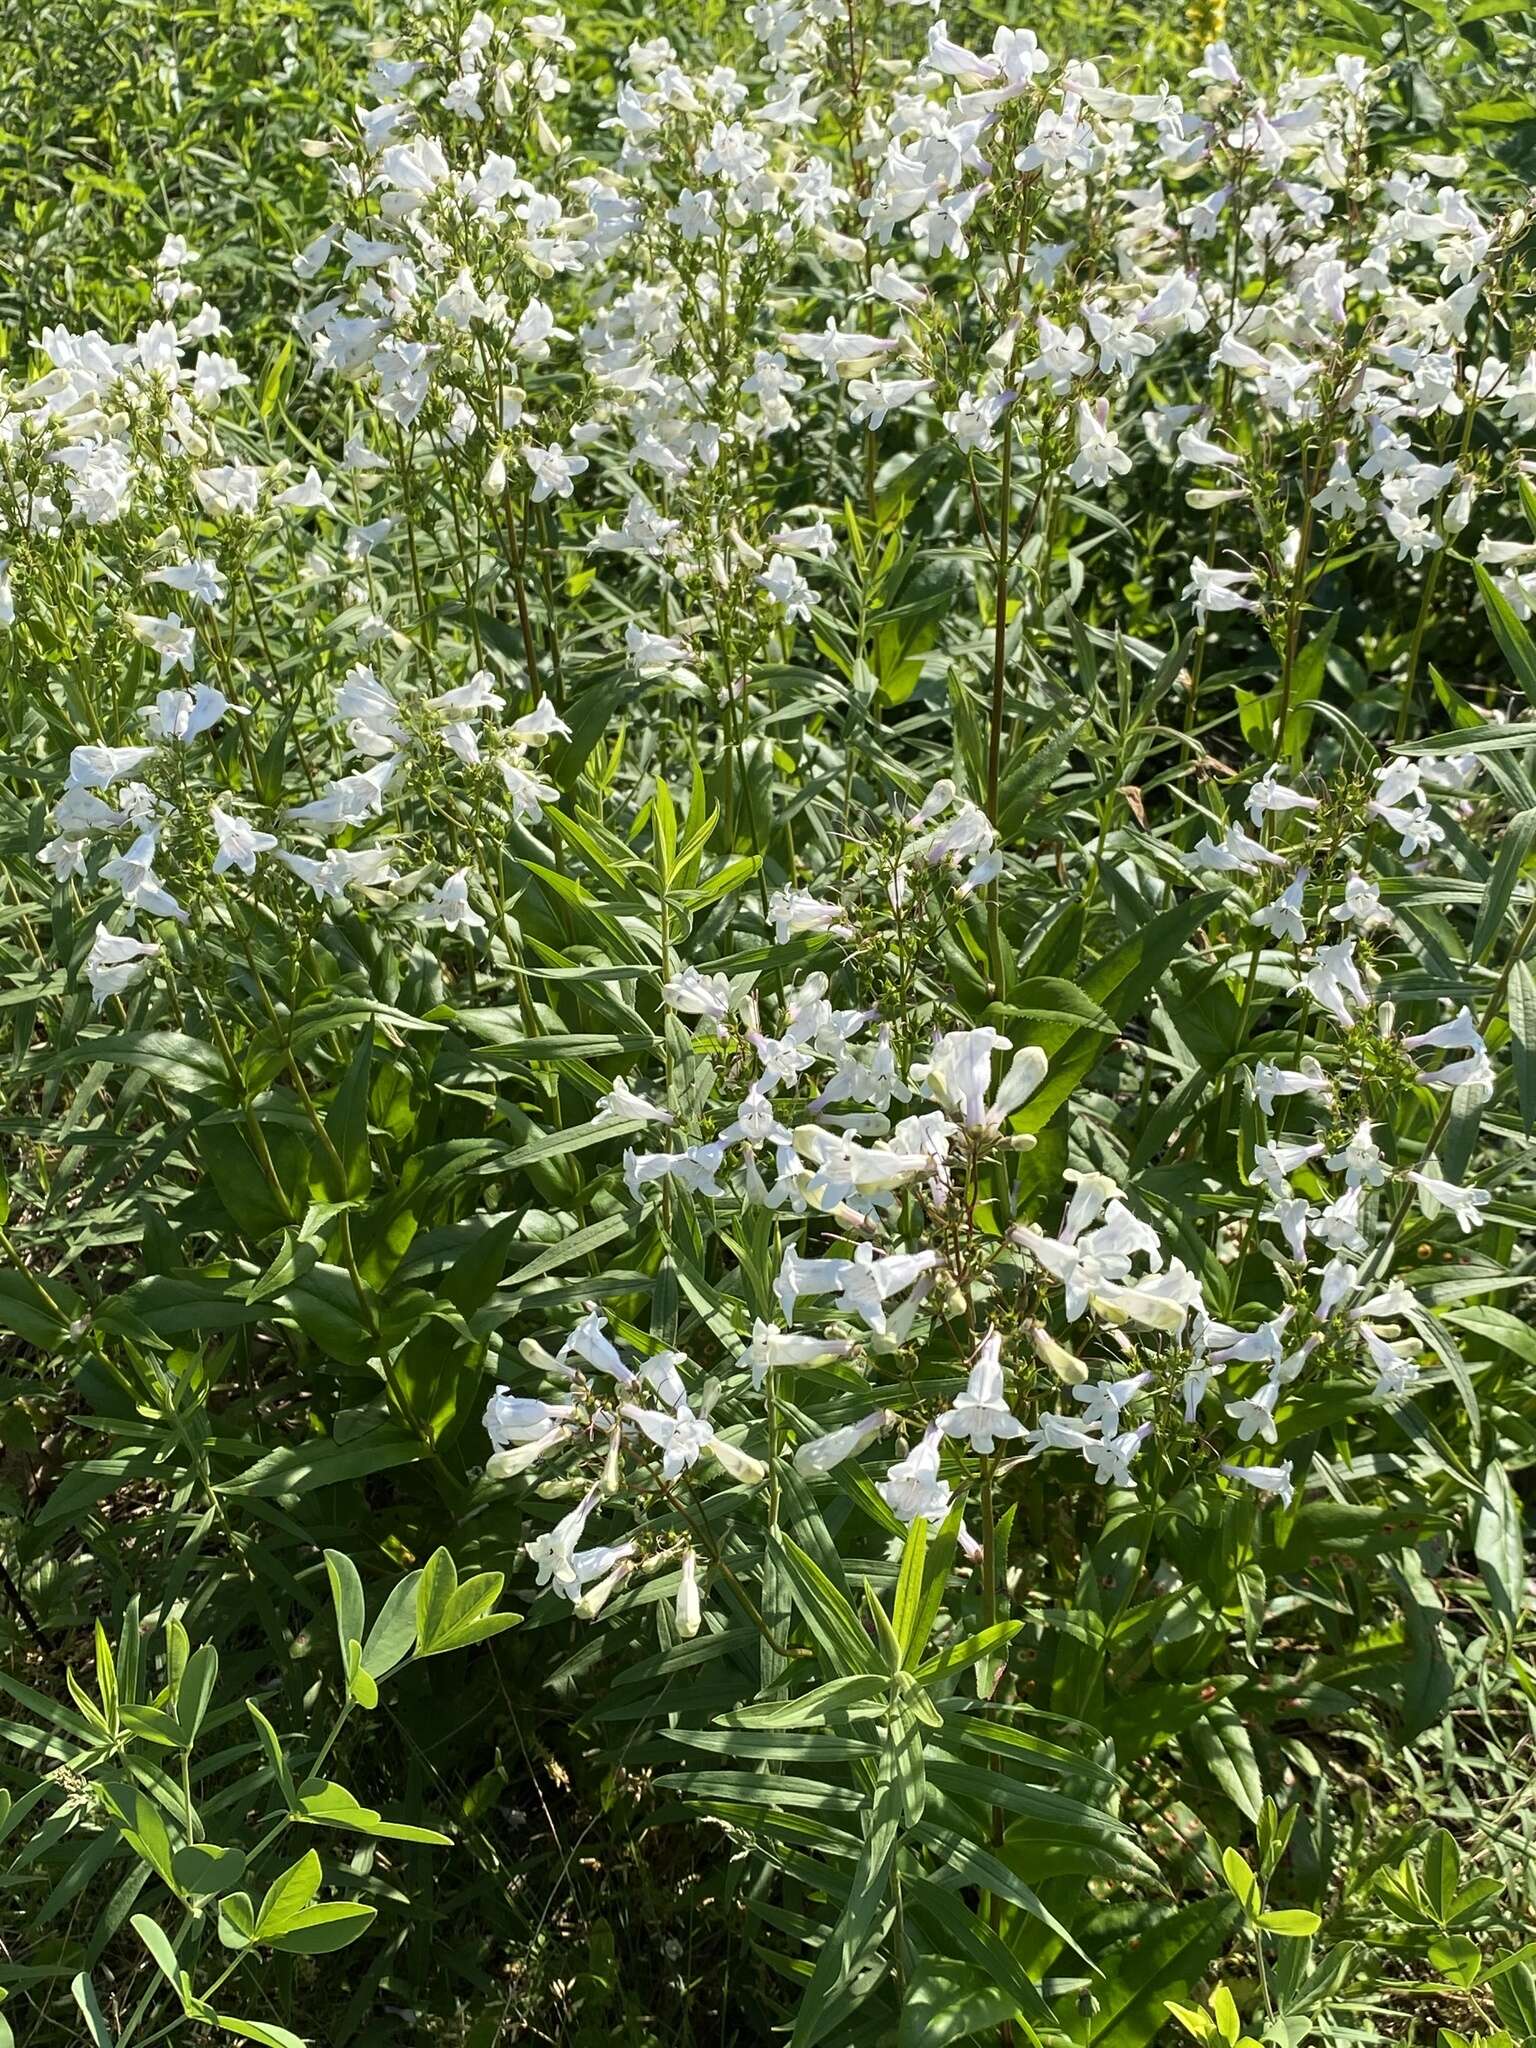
x,y
689,1614
1068,1368
592,1602
613,1471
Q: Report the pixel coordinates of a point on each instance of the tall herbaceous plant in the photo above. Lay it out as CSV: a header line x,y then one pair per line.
x,y
786,893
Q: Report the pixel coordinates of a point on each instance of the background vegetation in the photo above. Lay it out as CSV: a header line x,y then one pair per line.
x,y
180,1463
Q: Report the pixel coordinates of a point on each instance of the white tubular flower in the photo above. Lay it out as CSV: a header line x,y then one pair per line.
x,y
866,1282
450,907
478,694
538,726
603,1571
1275,1163
1360,1160
771,1348
800,1277
1269,798
527,793
1475,1070
824,1453
1239,853
1057,1432
1095,1269
185,715
794,911
369,713
1254,1413
563,1564
861,1177
80,812
1293,1214
1110,1458
513,1420
1099,454
1339,1281
680,1438
913,1487
981,1414
877,398
693,994
1338,1226
1271,1082
100,767
1361,904
114,963
1395,1371
64,857
1218,590
1160,1302
350,799
694,1169
787,588
590,1343
1464,1203
554,472
365,870
683,1437
134,873
1335,983
175,643
1104,1402
1282,918
310,495
660,1372
1271,1480
839,352
959,1076
1200,452
622,1105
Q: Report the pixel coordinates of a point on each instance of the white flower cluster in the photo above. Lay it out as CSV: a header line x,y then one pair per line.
x,y
554,368
820,1106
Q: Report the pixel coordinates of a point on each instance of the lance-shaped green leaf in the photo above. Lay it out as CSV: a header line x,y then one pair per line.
x,y
827,1614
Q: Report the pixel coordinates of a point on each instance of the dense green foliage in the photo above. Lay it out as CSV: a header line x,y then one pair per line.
x,y
295,1746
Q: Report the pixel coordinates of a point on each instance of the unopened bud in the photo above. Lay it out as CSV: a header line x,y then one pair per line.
x,y
1066,1365
613,1471
689,1613
592,1602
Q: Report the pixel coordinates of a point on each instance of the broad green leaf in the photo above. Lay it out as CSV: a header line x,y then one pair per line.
x,y
1499,1545
266,2033
450,1615
1166,1959
203,1870
331,1805
288,1896
347,1121
83,1991
393,1635
160,1946
1221,1742
347,1599
320,1930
